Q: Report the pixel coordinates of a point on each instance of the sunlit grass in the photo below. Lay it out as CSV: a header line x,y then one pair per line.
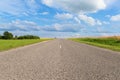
x,y
8,44
109,43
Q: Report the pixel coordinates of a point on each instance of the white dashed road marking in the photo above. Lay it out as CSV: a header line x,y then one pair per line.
x,y
60,46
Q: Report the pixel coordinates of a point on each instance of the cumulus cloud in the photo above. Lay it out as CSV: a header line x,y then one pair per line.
x,y
115,17
110,2
98,22
76,6
20,25
66,27
27,26
89,20
17,7
44,13
63,16
107,16
77,20
106,22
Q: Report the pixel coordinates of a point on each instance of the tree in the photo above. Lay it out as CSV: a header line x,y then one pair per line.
x,y
15,37
0,37
28,37
7,35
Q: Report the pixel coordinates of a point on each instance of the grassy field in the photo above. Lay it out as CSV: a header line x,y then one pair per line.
x,y
112,43
9,44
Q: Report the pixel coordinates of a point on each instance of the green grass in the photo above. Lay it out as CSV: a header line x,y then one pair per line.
x,y
109,43
9,44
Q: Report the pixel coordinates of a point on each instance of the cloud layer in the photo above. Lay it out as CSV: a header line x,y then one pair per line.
x,y
18,7
76,6
20,26
115,18
63,17
89,20
25,25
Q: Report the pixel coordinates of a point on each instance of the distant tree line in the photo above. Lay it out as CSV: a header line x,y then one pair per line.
x,y
7,35
28,37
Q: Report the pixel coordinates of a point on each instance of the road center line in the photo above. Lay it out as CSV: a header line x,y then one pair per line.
x,y
60,46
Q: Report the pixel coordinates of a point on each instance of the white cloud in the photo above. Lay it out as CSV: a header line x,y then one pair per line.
x,y
63,27
20,25
48,2
98,22
115,18
110,2
77,20
107,16
9,6
44,13
57,26
77,35
31,4
89,20
17,7
106,22
27,26
64,16
76,6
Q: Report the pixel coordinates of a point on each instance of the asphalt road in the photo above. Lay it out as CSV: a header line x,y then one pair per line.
x,y
59,60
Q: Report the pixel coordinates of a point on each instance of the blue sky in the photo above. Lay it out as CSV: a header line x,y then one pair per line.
x,y
60,18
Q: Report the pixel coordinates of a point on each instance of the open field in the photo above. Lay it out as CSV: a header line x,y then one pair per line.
x,y
112,43
8,44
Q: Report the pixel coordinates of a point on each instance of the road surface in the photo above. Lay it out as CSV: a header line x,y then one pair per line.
x,y
59,60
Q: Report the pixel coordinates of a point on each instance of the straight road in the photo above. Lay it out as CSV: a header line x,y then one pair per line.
x,y
59,60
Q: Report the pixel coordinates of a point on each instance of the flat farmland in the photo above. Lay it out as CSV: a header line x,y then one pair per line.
x,y
112,43
9,44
